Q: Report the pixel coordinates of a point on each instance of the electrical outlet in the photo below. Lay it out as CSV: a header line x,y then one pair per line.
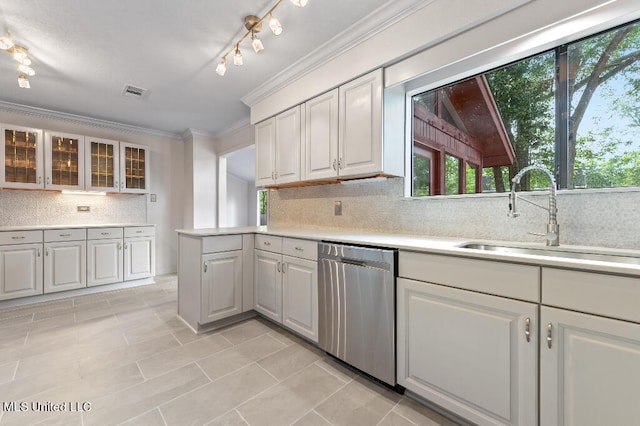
x,y
84,208
153,198
337,208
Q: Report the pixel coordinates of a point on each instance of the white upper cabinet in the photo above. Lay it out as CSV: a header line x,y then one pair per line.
x,y
360,125
134,168
320,159
22,164
102,165
64,161
278,142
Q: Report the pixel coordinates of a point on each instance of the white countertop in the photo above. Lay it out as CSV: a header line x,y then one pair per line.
x,y
44,227
443,246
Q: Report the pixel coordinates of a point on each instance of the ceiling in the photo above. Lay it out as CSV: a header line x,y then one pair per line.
x,y
85,52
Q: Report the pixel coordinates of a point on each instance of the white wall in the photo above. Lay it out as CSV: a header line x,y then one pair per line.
x,y
165,180
241,202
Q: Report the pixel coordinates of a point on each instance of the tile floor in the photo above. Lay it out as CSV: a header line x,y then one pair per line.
x,y
123,357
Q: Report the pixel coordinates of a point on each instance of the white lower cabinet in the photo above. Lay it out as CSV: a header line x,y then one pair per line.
x,y
65,266
104,262
139,252
221,285
268,284
473,354
286,283
20,270
589,369
211,278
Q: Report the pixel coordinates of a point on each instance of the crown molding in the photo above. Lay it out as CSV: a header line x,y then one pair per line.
x,y
238,125
48,114
375,22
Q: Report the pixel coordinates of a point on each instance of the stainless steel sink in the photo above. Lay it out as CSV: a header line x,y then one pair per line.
x,y
558,253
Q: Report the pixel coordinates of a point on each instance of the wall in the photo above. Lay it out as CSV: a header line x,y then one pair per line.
x,y
241,211
53,208
604,218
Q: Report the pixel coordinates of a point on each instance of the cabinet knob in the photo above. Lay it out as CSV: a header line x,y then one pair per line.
x,y
527,329
549,332
267,243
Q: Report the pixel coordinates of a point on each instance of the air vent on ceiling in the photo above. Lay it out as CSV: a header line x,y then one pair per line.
x,y
134,91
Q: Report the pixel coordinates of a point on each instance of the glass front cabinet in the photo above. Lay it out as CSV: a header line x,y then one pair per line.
x,y
102,165
134,168
64,161
22,165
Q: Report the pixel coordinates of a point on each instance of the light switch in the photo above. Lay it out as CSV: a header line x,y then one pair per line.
x,y
153,198
84,208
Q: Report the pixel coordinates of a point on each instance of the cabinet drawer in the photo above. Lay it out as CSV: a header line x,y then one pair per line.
x,y
20,237
221,243
55,235
305,249
104,233
268,243
600,294
139,231
499,278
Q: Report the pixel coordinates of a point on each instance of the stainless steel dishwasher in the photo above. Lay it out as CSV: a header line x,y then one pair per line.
x,y
356,312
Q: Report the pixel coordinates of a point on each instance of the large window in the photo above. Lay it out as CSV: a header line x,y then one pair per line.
x,y
575,110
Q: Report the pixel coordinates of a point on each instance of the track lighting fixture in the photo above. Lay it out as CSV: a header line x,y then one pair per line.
x,y
21,56
253,25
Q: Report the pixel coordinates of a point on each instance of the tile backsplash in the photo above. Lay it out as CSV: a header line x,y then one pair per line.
x,y
604,218
41,208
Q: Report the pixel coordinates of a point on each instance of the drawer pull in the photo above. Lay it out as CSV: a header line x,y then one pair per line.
x,y
549,338
267,243
299,249
105,233
139,232
527,329
65,235
21,237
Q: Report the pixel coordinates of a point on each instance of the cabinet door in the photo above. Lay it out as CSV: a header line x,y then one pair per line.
x,y
320,159
139,258
20,270
22,164
102,165
104,262
65,266
473,354
134,168
589,370
221,286
300,296
360,124
265,152
64,161
268,284
288,143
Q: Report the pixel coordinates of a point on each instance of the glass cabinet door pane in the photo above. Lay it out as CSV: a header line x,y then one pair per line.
x,y
102,165
135,172
65,156
20,156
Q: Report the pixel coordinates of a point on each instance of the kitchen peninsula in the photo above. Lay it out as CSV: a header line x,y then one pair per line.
x,y
503,313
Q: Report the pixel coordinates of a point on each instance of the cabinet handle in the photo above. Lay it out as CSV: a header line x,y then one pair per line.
x,y
38,252
335,162
276,175
205,267
64,235
126,245
273,175
527,329
21,237
279,267
284,265
46,252
267,243
119,246
105,233
549,339
39,179
299,249
139,232
48,180
115,184
340,165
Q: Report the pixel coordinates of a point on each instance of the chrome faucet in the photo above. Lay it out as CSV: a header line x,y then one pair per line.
x,y
553,229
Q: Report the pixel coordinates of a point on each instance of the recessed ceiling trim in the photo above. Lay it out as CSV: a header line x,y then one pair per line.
x,y
48,114
370,25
